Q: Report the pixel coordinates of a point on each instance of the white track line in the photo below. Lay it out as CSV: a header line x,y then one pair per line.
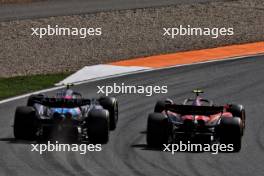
x,y
98,71
123,74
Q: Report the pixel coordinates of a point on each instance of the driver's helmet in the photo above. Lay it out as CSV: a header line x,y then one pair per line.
x,y
197,101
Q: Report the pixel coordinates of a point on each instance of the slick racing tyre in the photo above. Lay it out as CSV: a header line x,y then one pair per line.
x,y
98,126
157,130
230,132
33,98
111,104
239,111
160,106
25,123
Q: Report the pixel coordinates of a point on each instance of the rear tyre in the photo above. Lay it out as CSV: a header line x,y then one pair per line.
x,y
111,104
33,98
157,130
98,126
230,132
239,111
25,123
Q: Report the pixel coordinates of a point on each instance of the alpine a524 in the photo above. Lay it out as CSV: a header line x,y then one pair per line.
x,y
67,115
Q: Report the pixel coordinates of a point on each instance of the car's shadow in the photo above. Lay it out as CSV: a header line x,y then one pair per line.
x,y
146,147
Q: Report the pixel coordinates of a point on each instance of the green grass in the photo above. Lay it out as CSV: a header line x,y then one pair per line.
x,y
13,86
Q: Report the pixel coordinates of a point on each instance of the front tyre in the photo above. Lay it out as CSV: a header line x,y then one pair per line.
x,y
159,107
239,111
111,104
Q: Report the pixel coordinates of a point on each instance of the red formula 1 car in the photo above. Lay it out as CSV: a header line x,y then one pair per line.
x,y
196,119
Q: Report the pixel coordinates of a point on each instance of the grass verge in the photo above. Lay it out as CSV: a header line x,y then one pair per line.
x,y
18,85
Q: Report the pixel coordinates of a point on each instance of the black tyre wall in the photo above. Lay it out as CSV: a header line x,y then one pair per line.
x,y
159,107
239,111
111,104
98,126
25,123
230,132
157,130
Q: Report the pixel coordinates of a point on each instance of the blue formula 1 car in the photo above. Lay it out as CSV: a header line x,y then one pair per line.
x,y
66,115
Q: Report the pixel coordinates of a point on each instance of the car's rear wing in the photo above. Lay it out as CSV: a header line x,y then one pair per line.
x,y
63,103
194,110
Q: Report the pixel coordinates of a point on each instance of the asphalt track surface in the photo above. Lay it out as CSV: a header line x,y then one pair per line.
x,y
70,7
237,81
